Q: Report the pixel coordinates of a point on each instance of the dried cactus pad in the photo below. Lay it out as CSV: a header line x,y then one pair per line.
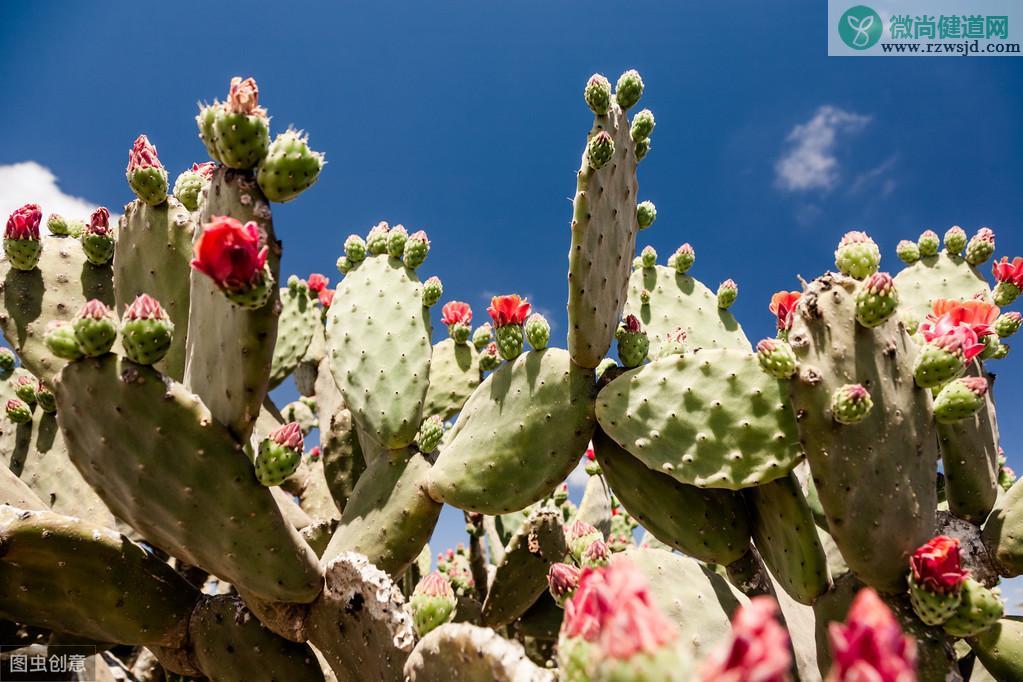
x,y
933,277
518,436
472,653
72,576
678,300
178,477
378,336
713,419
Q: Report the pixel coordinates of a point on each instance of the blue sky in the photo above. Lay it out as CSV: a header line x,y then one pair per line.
x,y
467,120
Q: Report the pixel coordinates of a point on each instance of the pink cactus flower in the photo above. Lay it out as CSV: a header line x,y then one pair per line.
x,y
326,297
229,252
957,339
509,309
243,98
856,237
783,304
936,565
99,222
871,646
766,346
317,282
204,169
289,435
145,307
631,324
759,649
95,309
24,223
562,579
597,554
456,312
435,585
1005,270
976,385
142,155
315,453
947,313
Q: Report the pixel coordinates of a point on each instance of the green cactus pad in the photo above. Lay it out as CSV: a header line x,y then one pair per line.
x,y
389,517
299,320
713,419
229,643
710,525
678,300
933,277
1003,532
178,477
604,228
521,576
785,534
518,436
73,576
475,654
969,453
360,623
153,256
289,167
979,608
875,478
343,462
454,375
56,290
1000,649
378,338
15,493
595,505
229,349
241,140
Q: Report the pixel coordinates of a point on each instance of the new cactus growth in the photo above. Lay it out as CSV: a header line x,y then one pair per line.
x,y
633,344
959,398
433,289
18,412
728,291
600,150
430,433
598,94
538,331
851,403
877,300
7,363
646,214
682,259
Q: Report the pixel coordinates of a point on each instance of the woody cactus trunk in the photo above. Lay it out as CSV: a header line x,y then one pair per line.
x,y
158,507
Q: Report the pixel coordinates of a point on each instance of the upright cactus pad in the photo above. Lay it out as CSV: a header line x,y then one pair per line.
x,y
296,327
933,277
454,375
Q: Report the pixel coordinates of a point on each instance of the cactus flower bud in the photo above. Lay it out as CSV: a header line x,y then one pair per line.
x,y
279,454
433,603
21,237
1007,324
18,412
315,454
538,331
728,291
243,97
146,331
97,238
776,358
146,175
560,494
633,344
600,149
562,579
959,399
908,251
417,247
648,257
376,240
642,125
355,247
590,465
95,328
326,297
57,225
60,340
579,536
682,259
1006,476
317,282
955,240
25,389
876,300
597,554
597,94
433,289
230,254
191,183
489,357
857,255
642,149
870,645
850,404
396,238
483,335
981,246
928,243
646,214
7,363
783,306
629,89
45,398
758,650
430,433
1010,280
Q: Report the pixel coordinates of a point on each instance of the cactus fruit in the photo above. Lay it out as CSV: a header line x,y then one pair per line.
x,y
432,603
509,313
979,608
145,173
928,243
236,133
396,238
850,404
18,412
936,580
457,316
25,389
98,238
945,355
95,328
959,398
579,536
1007,324
416,248
629,89
289,168
376,241
279,454
857,255
21,237
600,149
955,240
646,214
57,225
191,183
633,344
981,246
538,331
45,399
433,289
648,257
231,255
7,363
908,252
61,340
728,291
430,433
642,125
489,357
562,579
146,331
776,358
1009,276
876,300
597,94
482,336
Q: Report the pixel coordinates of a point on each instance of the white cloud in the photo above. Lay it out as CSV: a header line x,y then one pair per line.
x,y
810,161
29,182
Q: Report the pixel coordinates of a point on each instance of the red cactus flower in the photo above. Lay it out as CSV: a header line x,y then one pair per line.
x,y
509,309
229,252
243,98
613,607
144,307
871,645
590,454
1006,271
326,297
456,312
936,565
783,304
142,155
315,453
24,223
204,169
289,435
317,282
759,649
99,221
947,313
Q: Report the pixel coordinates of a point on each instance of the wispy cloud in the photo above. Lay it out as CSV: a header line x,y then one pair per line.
x,y
878,176
810,161
31,182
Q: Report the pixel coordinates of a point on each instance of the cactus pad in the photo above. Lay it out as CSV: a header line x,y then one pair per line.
x,y
477,654
1003,532
713,419
454,375
298,323
343,461
933,277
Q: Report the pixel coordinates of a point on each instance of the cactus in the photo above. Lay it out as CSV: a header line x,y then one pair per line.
x,y
145,459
